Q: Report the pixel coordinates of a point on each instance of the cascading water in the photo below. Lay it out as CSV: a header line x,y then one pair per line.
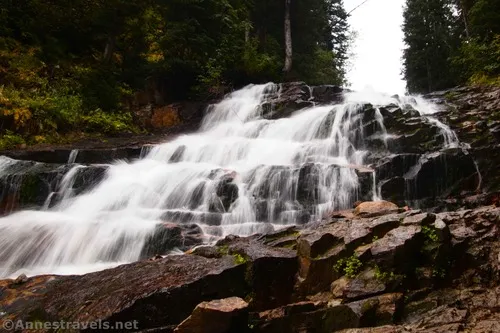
x,y
240,174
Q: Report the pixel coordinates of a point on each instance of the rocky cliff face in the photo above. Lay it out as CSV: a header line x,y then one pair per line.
x,y
377,268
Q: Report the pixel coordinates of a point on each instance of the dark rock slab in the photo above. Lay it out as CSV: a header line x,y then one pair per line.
x,y
306,317
156,293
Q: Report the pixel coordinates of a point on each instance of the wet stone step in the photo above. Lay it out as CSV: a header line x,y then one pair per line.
x,y
82,156
28,184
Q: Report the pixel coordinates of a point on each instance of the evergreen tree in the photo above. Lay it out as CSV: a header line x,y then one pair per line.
x,y
430,42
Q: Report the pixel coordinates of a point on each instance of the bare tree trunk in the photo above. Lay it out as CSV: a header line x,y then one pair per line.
x,y
288,38
464,15
109,49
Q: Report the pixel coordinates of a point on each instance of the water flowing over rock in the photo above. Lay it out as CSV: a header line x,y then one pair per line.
x,y
265,157
401,272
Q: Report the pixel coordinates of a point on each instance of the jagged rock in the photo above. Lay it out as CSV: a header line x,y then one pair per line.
x,y
364,285
378,310
419,219
268,290
306,317
399,243
296,288
217,316
375,208
318,252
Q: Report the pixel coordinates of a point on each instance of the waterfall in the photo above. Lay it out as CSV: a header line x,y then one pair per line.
x,y
72,156
240,174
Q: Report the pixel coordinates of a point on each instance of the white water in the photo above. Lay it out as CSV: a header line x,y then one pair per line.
x,y
109,225
72,156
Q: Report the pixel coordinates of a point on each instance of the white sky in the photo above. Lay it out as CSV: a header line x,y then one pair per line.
x,y
378,46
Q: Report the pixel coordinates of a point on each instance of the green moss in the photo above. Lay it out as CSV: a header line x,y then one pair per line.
x,y
350,267
239,259
224,250
451,95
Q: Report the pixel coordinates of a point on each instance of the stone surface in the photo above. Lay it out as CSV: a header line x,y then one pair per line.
x,y
375,208
416,276
217,316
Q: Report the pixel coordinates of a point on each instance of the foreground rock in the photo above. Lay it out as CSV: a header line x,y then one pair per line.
x,y
403,271
218,316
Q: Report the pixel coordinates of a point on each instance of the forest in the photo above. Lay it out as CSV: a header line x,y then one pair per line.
x,y
72,68
451,42
72,65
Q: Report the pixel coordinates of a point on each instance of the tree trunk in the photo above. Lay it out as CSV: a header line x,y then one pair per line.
x,y
288,38
464,13
109,49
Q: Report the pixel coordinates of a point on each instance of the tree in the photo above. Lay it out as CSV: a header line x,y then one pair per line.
x,y
288,38
430,42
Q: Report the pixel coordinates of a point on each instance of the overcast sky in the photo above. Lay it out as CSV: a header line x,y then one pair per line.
x,y
378,45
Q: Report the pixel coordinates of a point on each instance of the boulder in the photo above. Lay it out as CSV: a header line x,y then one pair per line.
x,y
217,316
375,208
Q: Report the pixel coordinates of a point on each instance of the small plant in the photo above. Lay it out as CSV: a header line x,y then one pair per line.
x,y
9,140
384,276
430,235
439,273
374,239
350,267
239,259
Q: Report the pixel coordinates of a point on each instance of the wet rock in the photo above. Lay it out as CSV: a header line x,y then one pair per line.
x,y
168,236
227,191
156,293
327,94
217,316
292,96
397,246
375,208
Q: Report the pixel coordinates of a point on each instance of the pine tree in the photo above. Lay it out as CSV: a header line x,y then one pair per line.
x,y
430,42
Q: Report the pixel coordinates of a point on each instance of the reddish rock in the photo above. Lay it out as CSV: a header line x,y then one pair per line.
x,y
217,316
375,208
156,293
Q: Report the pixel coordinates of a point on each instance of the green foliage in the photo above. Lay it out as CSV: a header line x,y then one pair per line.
x,y
430,234
239,259
10,140
387,277
451,42
430,41
478,62
73,66
350,267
